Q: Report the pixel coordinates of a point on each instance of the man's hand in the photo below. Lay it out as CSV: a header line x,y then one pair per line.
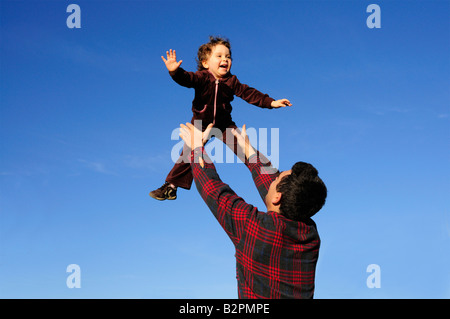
x,y
281,103
244,142
171,61
193,137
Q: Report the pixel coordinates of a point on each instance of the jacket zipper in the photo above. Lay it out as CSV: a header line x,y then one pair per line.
x,y
215,101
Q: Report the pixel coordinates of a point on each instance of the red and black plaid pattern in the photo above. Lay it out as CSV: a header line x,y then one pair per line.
x,y
275,257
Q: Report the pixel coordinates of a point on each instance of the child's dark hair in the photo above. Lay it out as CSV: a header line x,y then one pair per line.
x,y
303,192
205,49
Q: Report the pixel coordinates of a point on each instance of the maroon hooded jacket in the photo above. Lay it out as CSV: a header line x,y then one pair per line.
x,y
212,101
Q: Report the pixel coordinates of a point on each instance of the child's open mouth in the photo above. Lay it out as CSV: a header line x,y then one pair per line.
x,y
224,66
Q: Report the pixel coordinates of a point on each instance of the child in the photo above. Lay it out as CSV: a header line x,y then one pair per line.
x,y
215,87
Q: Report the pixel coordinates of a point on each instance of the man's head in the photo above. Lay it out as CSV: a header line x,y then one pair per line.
x,y
215,56
298,193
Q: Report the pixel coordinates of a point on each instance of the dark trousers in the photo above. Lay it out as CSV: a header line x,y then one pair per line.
x,y
181,173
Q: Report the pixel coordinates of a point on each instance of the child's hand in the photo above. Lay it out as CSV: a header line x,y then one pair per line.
x,y
171,62
281,103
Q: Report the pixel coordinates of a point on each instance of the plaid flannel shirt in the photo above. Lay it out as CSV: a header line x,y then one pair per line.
x,y
275,257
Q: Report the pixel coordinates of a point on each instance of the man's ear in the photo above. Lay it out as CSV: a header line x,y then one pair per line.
x,y
276,200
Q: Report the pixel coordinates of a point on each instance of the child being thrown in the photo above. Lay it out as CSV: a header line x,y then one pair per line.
x,y
215,87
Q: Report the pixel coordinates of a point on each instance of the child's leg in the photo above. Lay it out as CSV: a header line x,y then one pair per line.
x,y
181,173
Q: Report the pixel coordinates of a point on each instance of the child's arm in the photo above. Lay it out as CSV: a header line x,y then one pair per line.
x,y
178,74
255,97
171,62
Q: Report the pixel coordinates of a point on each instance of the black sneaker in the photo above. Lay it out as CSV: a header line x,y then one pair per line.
x,y
164,192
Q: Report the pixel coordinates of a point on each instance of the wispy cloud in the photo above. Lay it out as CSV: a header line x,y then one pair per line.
x,y
151,162
104,58
100,55
127,164
384,110
97,167
6,173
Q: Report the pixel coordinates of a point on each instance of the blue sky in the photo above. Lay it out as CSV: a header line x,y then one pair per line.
x,y
86,121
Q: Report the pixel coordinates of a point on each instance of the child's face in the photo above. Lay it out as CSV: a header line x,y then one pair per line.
x,y
219,62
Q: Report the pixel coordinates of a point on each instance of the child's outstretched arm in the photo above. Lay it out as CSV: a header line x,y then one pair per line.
x,y
255,97
182,77
280,103
171,62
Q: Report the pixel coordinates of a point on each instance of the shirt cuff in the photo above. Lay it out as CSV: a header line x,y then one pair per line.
x,y
253,159
199,156
196,153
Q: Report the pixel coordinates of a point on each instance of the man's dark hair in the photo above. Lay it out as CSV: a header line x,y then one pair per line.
x,y
303,192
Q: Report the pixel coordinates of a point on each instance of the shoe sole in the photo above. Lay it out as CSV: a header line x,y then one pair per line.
x,y
162,198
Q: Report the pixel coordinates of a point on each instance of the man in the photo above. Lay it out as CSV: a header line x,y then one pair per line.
x,y
277,250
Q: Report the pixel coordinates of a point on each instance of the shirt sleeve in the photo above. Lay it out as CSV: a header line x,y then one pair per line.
x,y
185,78
230,210
263,173
252,95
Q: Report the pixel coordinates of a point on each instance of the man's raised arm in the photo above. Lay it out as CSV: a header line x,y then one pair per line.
x,y
229,209
263,172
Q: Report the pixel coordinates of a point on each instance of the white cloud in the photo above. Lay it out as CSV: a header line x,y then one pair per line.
x,y
96,167
152,163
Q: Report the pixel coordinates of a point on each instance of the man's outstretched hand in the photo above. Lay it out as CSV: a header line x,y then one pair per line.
x,y
243,141
193,137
